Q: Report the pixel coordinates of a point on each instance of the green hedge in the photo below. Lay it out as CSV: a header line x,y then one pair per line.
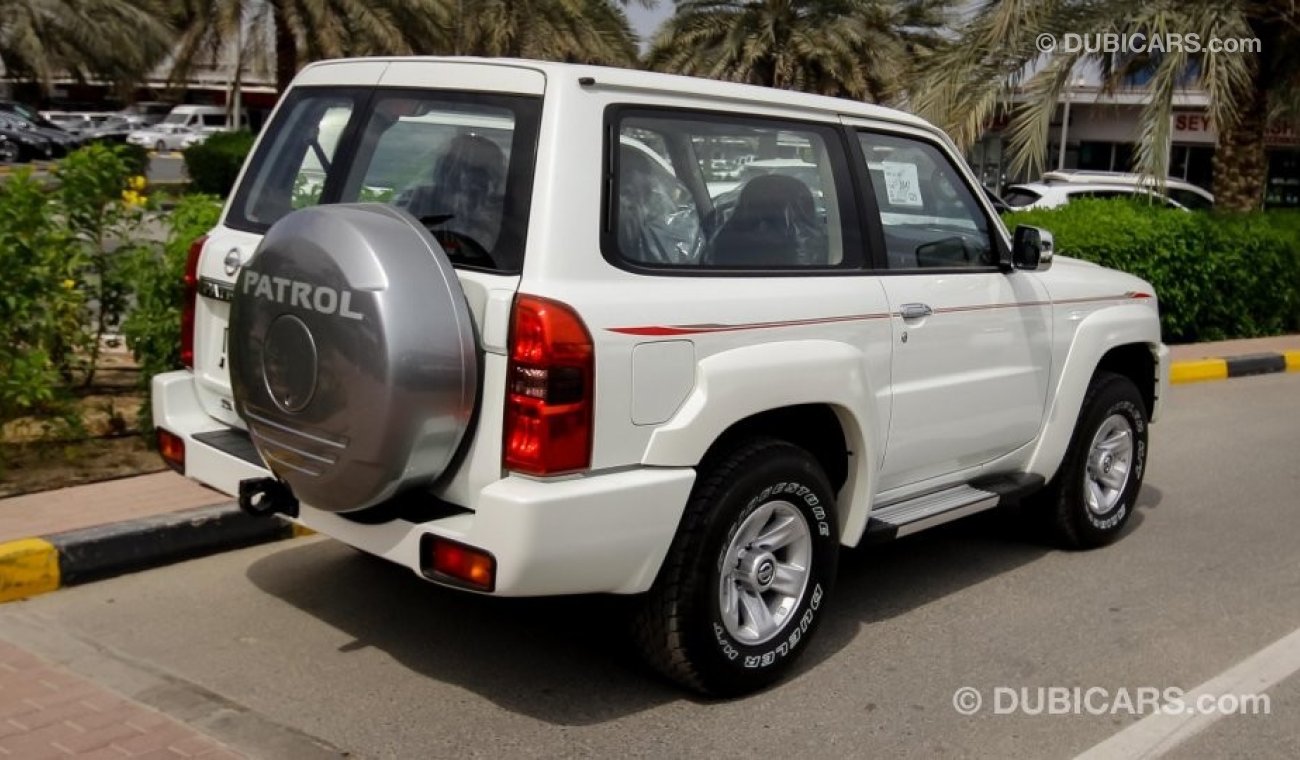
x,y
1217,276
214,164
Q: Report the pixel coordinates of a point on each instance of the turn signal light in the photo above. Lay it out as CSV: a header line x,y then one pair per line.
x,y
172,448
457,563
190,284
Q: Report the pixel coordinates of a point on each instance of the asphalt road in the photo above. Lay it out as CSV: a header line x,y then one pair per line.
x,y
167,168
309,639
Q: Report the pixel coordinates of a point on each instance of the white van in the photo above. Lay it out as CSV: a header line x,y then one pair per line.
x,y
202,118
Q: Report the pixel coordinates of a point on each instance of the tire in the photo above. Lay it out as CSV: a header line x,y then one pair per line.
x,y
740,497
1092,496
9,153
160,146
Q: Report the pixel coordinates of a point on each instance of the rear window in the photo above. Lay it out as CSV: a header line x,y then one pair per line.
x,y
461,163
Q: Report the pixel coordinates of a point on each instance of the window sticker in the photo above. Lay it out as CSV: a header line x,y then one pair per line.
x,y
901,184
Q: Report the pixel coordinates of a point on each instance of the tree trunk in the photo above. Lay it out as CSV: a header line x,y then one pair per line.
x,y
1240,161
286,49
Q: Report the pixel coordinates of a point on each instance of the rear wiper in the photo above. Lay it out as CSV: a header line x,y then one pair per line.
x,y
433,220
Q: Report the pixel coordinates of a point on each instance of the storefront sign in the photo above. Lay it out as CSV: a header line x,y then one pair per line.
x,y
1198,128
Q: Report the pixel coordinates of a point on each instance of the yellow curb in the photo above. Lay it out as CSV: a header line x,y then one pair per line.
x,y
1292,360
28,567
1198,371
302,530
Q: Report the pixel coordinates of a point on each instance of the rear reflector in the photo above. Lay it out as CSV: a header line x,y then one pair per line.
x,y
172,448
458,564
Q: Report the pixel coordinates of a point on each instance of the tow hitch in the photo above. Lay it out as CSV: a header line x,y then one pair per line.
x,y
261,497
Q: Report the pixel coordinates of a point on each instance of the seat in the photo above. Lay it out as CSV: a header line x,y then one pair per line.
x,y
774,224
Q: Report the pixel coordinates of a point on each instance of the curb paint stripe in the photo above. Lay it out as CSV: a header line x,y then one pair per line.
x,y
28,566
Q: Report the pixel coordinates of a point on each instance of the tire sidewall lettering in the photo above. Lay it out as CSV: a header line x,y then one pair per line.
x,y
1138,421
788,641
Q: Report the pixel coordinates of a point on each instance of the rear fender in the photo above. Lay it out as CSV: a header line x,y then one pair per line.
x,y
737,384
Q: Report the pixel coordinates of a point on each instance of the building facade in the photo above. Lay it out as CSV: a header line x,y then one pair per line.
x,y
1100,132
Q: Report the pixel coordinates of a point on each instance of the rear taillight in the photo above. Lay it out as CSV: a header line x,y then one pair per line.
x,y
191,296
549,390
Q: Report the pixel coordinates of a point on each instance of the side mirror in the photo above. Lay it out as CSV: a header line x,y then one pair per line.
x,y
1031,248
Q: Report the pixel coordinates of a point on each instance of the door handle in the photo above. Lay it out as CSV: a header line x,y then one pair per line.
x,y
915,310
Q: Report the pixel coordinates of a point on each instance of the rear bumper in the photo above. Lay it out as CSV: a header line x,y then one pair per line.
x,y
603,533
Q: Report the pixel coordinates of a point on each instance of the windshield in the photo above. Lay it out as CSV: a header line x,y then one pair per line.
x,y
176,118
460,163
1019,197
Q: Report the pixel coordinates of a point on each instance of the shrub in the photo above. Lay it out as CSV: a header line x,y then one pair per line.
x,y
153,326
41,308
135,156
98,197
214,164
1217,276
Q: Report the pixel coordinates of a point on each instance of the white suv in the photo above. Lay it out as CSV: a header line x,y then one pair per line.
x,y
485,319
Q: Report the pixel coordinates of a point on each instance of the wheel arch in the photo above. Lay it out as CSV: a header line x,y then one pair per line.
x,y
814,394
1124,340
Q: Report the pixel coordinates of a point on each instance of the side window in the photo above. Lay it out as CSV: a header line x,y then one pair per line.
x,y
214,120
928,213
717,191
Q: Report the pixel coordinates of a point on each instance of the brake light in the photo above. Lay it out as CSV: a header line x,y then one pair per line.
x,y
549,389
190,301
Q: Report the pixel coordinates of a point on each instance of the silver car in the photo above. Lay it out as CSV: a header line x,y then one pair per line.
x,y
160,137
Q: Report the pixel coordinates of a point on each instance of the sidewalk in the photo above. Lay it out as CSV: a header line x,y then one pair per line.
x,y
64,509
48,712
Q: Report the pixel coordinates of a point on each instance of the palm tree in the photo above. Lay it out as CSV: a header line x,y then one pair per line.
x,y
995,59
581,31
859,49
107,39
298,31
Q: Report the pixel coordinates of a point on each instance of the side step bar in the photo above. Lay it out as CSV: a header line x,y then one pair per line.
x,y
928,510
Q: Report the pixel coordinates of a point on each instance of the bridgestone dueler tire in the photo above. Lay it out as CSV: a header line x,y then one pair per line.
x,y
1071,522
678,624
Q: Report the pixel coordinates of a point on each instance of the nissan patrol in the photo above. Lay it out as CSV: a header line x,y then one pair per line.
x,y
516,327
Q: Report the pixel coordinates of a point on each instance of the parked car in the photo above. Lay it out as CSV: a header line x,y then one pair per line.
x,y
161,137
1184,193
46,142
195,138
207,119
146,112
114,129
499,379
1030,195
19,145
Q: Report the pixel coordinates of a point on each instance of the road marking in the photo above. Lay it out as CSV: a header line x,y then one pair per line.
x,y
1158,733
28,567
1197,371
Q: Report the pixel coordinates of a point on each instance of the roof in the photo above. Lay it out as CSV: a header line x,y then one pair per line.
x,y
650,81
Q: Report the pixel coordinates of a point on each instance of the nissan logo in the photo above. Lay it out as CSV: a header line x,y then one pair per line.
x,y
232,262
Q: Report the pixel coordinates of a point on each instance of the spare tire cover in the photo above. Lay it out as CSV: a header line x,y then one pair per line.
x,y
352,354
